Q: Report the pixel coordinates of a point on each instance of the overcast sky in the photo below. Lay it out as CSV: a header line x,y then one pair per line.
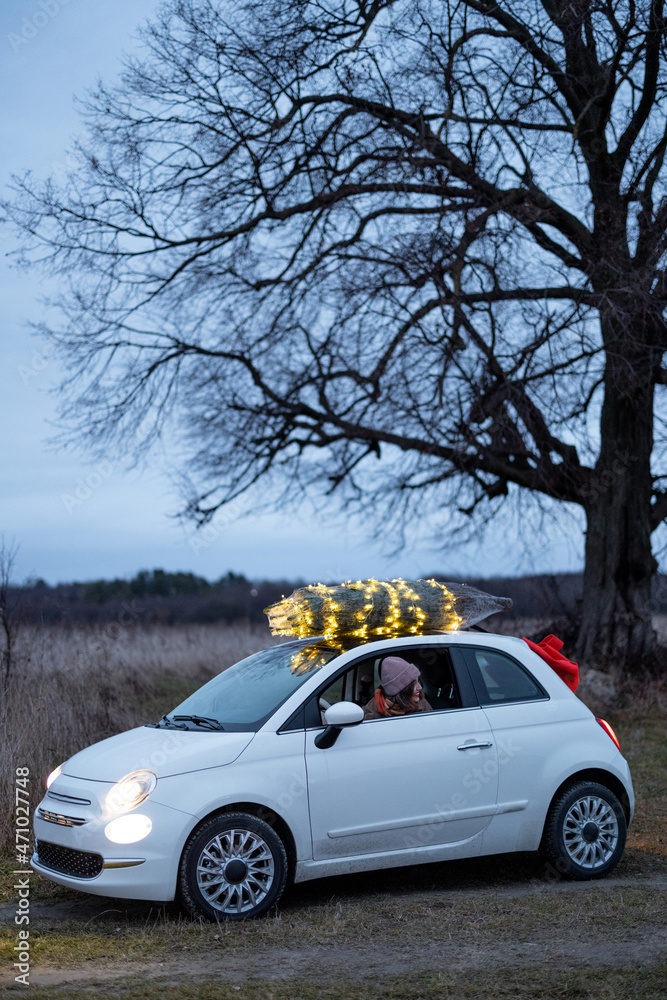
x,y
77,519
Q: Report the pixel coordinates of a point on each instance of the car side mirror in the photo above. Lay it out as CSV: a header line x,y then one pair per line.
x,y
345,713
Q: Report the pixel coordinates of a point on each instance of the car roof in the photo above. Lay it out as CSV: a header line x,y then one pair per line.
x,y
472,637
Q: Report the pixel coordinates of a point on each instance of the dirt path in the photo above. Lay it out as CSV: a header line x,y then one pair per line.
x,y
326,963
90,907
390,948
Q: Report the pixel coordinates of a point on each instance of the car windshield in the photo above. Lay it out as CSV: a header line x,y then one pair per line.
x,y
245,695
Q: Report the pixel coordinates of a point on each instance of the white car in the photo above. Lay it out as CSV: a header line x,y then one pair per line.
x,y
267,775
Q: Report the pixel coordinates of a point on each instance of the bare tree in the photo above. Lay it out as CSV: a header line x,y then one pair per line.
x,y
10,612
409,251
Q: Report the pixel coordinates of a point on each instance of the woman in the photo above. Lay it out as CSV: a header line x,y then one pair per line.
x,y
400,692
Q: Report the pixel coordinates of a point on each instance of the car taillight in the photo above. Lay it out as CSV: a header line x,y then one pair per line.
x,y
609,731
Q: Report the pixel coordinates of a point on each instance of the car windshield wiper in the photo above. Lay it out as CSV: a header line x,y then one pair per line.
x,y
169,722
201,720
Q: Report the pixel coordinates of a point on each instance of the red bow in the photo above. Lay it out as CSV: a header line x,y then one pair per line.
x,y
549,649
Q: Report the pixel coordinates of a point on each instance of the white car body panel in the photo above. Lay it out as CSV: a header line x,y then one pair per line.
x,y
270,773
411,790
163,751
389,792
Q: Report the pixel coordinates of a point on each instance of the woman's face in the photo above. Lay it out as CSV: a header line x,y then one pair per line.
x,y
415,693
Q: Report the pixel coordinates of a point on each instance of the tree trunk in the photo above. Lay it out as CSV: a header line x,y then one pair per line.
x,y
616,628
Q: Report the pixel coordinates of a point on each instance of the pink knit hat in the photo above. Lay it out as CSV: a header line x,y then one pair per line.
x,y
396,673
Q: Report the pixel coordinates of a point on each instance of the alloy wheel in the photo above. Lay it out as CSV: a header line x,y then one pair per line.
x,y
590,831
235,871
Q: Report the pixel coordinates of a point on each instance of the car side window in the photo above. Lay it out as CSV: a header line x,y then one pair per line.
x,y
334,693
438,679
499,679
340,689
359,682
437,676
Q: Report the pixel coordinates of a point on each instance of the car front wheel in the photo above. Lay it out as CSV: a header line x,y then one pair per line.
x,y
233,868
584,835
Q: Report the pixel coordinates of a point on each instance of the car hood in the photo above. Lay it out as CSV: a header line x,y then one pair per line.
x,y
163,751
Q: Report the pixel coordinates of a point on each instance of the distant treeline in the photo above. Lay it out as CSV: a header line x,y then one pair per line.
x,y
158,597
152,597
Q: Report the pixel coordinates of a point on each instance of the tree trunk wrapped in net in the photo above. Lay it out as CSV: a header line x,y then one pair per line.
x,y
367,610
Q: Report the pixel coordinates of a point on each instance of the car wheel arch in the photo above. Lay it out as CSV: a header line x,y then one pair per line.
x,y
270,816
601,776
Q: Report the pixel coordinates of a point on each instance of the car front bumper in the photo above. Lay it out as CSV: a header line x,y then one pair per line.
x,y
81,856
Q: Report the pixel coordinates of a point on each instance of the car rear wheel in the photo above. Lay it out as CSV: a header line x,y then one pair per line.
x,y
584,835
233,868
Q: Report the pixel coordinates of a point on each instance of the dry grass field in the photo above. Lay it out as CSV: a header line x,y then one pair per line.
x,y
490,928
71,687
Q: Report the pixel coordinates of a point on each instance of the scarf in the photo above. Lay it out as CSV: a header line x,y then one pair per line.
x,y
386,706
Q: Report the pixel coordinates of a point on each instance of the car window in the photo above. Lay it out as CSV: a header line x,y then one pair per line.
x,y
499,679
359,683
437,676
334,693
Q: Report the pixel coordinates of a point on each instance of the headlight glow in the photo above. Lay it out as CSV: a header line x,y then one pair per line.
x,y
54,774
130,792
128,829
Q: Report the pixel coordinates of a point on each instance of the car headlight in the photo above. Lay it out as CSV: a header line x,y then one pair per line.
x,y
128,829
54,774
131,791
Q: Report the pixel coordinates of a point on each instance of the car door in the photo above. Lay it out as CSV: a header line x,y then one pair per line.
x,y
400,783
527,727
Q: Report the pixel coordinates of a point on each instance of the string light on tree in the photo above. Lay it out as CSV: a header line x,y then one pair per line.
x,y
367,610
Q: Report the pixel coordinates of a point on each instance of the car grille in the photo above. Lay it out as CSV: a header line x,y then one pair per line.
x,y
72,799
67,861
59,818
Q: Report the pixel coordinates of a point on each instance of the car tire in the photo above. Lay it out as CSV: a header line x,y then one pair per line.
x,y
234,867
584,834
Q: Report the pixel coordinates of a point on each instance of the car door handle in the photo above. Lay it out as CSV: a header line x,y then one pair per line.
x,y
474,746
